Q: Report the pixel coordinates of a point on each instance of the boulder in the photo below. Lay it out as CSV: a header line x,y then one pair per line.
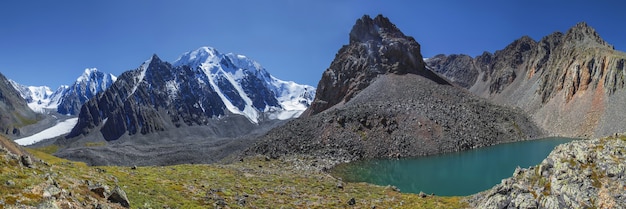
x,y
119,196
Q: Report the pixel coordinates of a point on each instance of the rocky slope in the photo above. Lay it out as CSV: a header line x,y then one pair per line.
x,y
378,100
580,174
556,80
14,112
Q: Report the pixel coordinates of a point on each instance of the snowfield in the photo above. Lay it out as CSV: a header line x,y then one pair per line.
x,y
59,129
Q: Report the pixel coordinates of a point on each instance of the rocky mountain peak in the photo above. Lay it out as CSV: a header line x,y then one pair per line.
x,y
368,29
376,47
582,33
154,60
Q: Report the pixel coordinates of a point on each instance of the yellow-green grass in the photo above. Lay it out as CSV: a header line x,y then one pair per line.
x,y
261,183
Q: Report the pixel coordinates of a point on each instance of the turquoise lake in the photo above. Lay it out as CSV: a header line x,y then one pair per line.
x,y
453,174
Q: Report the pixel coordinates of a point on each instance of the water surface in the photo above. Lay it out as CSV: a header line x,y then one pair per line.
x,y
452,174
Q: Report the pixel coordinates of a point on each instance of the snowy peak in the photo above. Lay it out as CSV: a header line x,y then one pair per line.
x,y
66,99
246,87
90,83
197,57
37,97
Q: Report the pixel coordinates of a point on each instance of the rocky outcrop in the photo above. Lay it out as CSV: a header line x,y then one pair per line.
x,y
376,47
119,196
14,112
32,181
579,174
555,79
398,110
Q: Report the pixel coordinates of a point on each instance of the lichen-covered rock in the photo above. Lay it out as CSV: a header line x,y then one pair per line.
x,y
574,175
119,196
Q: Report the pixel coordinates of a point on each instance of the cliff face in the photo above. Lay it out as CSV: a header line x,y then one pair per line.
x,y
377,99
565,81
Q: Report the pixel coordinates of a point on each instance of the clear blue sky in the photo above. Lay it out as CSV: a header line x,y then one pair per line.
x,y
52,42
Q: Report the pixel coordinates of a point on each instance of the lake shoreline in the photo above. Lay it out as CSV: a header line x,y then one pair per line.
x,y
436,171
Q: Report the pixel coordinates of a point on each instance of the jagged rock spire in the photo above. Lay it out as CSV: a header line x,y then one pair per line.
x,y
376,47
367,29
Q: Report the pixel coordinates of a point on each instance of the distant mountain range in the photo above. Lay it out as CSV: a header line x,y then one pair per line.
x,y
200,88
572,83
66,100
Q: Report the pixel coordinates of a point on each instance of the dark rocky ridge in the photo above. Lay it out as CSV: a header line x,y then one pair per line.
x,y
133,106
376,47
556,80
14,112
379,112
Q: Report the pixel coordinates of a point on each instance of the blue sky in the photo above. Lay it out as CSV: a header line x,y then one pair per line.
x,y
52,42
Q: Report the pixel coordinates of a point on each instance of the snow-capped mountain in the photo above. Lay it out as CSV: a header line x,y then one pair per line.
x,y
37,97
246,87
65,99
200,88
90,83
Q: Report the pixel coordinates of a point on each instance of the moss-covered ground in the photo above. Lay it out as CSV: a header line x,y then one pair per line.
x,y
253,183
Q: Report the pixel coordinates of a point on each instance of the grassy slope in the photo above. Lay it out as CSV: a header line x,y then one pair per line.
x,y
252,183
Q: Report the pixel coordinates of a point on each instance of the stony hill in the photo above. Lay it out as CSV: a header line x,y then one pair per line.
x,y
570,83
377,99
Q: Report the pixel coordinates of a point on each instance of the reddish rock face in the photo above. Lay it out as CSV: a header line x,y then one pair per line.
x,y
564,80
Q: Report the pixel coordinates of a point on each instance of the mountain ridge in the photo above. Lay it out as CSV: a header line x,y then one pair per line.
x,y
554,79
200,86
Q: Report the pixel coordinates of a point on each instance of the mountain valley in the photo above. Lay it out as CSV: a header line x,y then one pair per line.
x,y
215,129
